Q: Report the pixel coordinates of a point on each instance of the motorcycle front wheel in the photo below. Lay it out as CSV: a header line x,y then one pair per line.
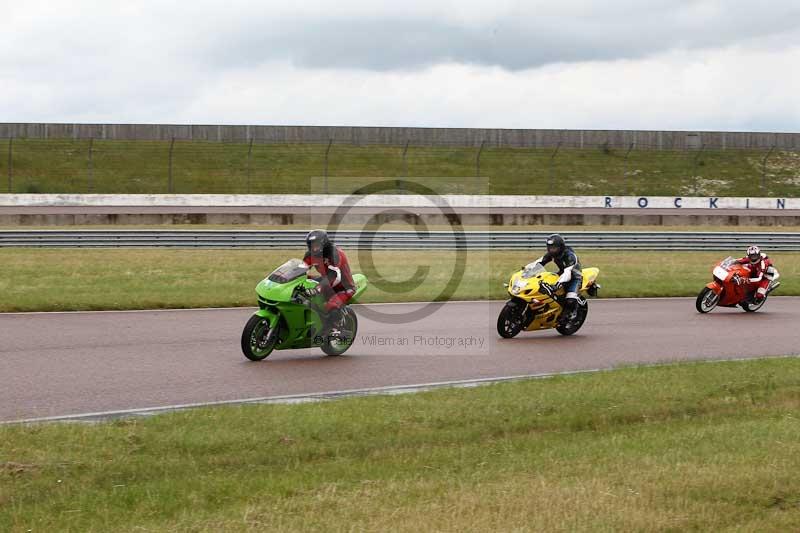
x,y
707,300
509,322
258,340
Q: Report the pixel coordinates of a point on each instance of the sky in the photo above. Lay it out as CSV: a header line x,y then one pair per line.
x,y
576,64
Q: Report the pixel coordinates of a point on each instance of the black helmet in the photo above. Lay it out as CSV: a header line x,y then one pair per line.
x,y
318,241
555,245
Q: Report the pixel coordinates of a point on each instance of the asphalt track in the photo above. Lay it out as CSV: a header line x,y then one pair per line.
x,y
54,364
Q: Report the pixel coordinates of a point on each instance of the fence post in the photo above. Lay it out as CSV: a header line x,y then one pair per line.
x,y
400,184
764,168
552,167
169,183
405,161
327,152
90,166
10,165
625,170
478,160
696,161
249,163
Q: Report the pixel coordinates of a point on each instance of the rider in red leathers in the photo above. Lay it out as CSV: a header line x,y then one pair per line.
x,y
336,282
762,272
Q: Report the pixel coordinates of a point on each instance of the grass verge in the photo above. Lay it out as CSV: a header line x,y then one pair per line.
x,y
94,279
705,447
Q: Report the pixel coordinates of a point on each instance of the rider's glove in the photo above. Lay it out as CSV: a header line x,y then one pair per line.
x,y
546,289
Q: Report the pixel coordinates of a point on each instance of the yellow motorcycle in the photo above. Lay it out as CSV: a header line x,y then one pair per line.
x,y
537,302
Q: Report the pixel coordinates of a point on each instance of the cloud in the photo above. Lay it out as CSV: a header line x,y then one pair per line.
x,y
724,89
523,36
704,64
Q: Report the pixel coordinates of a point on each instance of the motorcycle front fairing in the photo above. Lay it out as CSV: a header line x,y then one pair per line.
x,y
725,283
278,302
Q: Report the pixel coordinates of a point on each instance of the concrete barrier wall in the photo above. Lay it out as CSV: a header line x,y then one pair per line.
x,y
664,140
411,201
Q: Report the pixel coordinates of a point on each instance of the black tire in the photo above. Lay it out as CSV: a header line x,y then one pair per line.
x,y
509,321
255,344
705,303
573,327
335,346
752,307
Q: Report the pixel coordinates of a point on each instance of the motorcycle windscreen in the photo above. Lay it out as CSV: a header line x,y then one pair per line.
x,y
531,270
722,271
290,270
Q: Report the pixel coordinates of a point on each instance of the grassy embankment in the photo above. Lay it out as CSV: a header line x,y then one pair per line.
x,y
62,165
692,447
53,280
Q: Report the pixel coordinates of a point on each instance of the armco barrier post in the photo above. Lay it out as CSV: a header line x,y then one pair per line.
x,y
169,170
764,168
90,167
10,165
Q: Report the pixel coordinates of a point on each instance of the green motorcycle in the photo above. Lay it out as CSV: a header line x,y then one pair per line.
x,y
288,315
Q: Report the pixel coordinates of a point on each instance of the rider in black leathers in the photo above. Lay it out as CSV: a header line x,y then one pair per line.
x,y
569,270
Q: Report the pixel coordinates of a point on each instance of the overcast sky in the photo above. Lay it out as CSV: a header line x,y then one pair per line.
x,y
615,64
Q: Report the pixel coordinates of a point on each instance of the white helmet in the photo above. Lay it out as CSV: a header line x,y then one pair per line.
x,y
754,253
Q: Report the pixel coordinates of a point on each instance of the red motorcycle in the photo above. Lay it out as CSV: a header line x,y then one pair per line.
x,y
731,287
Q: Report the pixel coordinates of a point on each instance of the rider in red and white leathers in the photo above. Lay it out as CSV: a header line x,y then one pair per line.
x,y
336,281
762,271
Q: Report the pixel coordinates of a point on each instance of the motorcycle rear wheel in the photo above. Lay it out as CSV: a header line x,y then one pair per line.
x,y
335,345
572,327
706,301
257,339
753,306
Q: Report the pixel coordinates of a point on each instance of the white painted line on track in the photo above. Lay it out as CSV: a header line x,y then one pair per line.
x,y
295,398
101,416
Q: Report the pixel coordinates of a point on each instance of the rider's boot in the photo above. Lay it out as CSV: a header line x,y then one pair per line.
x,y
570,311
331,320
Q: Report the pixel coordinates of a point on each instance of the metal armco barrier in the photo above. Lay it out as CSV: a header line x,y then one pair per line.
x,y
394,240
